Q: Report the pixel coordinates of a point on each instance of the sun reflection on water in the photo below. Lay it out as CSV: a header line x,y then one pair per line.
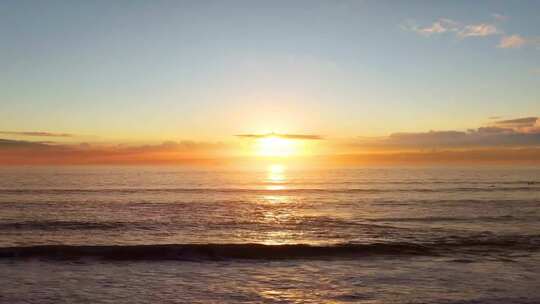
x,y
276,177
276,173
279,214
275,199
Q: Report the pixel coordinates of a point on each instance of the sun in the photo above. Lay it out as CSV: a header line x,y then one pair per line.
x,y
276,147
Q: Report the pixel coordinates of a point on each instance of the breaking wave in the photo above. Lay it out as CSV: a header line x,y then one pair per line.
x,y
201,252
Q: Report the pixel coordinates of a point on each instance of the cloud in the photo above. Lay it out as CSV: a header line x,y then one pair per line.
x,y
445,25
435,28
473,30
478,30
287,136
481,137
440,26
493,130
36,134
499,139
503,133
512,42
530,155
8,144
525,122
499,17
183,152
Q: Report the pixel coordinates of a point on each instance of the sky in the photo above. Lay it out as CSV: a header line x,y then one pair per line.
x,y
357,75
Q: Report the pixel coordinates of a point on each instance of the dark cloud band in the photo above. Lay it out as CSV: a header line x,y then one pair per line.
x,y
36,134
288,136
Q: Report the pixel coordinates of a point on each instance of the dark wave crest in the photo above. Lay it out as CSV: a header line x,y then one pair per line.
x,y
198,252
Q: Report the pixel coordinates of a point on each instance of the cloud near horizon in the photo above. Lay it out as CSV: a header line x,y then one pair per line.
x,y
505,140
286,136
525,122
520,132
189,152
36,134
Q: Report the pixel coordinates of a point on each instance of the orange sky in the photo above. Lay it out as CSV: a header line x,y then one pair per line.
x,y
509,141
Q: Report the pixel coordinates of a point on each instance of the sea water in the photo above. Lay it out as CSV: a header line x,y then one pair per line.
x,y
163,234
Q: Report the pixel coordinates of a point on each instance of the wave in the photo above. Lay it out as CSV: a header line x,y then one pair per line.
x,y
264,191
75,225
472,219
201,252
401,182
54,225
461,201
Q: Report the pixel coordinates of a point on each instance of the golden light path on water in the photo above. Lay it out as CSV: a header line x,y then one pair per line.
x,y
276,180
276,177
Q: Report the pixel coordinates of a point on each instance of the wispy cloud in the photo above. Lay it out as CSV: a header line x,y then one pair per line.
x,y
450,26
440,26
8,143
288,136
478,30
512,42
518,123
36,134
473,30
499,17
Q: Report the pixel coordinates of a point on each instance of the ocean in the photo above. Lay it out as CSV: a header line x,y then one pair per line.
x,y
161,234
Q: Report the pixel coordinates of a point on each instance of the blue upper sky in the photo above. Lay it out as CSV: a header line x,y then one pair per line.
x,y
154,70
